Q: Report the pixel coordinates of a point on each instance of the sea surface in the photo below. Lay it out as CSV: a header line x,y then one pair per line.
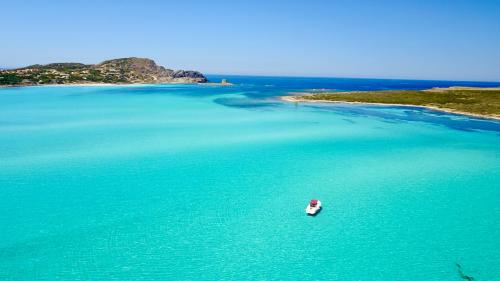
x,y
203,182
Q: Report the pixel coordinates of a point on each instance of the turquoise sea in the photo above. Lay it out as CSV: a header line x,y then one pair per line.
x,y
200,182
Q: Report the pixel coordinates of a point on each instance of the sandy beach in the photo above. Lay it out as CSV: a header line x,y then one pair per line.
x,y
95,85
298,98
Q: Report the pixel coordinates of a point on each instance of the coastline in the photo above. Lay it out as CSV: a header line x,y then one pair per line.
x,y
118,84
97,84
297,98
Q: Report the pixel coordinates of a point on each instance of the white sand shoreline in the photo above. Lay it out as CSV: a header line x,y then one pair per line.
x,y
98,85
447,110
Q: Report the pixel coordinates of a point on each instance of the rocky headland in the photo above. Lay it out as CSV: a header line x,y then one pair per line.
x,y
116,71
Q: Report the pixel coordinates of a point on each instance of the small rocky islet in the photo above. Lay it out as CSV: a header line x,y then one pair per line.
x,y
116,71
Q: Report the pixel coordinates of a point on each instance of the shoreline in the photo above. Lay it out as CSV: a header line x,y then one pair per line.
x,y
97,84
117,84
297,98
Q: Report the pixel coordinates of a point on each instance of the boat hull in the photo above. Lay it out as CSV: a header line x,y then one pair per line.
x,y
313,210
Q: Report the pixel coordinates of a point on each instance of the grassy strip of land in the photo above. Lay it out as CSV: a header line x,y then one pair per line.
x,y
480,102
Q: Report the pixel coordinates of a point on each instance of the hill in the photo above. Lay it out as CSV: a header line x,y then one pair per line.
x,y
116,71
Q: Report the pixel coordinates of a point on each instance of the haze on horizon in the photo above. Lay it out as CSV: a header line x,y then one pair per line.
x,y
448,40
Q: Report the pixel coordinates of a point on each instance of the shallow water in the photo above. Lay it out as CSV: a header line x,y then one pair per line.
x,y
209,183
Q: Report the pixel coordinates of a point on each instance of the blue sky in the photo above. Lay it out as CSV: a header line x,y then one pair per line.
x,y
454,40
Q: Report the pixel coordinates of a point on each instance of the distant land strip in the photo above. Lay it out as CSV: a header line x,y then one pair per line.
x,y
472,101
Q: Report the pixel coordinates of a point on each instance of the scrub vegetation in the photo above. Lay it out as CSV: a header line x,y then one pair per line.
x,y
476,101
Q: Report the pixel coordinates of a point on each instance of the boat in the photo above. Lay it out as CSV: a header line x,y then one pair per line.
x,y
313,207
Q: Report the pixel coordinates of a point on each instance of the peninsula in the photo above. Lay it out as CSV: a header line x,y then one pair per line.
x,y
478,102
116,71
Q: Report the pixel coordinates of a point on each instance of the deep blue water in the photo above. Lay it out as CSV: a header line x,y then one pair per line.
x,y
203,182
284,84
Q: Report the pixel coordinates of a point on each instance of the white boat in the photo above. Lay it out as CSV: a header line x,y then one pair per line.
x,y
313,207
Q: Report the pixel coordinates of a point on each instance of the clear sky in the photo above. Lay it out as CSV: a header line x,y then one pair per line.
x,y
455,39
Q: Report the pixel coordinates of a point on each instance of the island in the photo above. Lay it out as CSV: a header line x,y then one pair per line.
x,y
472,101
223,82
116,71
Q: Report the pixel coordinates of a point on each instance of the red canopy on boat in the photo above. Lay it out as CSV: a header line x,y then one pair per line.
x,y
314,202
